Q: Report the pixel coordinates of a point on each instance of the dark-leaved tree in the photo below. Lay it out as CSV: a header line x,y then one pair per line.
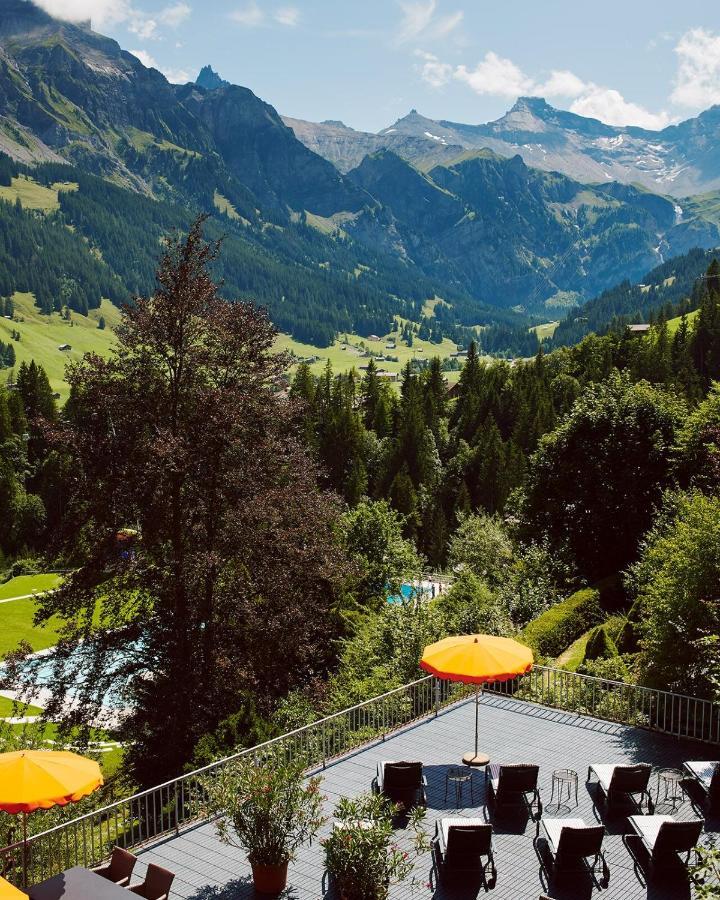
x,y
206,565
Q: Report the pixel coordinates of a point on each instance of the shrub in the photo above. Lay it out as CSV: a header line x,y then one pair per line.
x,y
600,645
613,669
559,626
627,639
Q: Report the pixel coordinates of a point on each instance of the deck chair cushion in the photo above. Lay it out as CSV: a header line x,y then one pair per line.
x,y
553,829
464,836
515,778
624,778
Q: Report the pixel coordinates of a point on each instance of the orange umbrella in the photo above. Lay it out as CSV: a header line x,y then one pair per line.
x,y
41,779
476,659
9,892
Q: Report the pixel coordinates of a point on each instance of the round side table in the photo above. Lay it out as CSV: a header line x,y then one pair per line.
x,y
669,781
459,776
564,781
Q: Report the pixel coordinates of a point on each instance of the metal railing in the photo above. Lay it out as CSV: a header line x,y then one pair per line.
x,y
168,808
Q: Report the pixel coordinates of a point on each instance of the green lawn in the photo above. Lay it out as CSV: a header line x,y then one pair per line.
x,y
28,584
7,709
16,616
571,658
16,624
40,337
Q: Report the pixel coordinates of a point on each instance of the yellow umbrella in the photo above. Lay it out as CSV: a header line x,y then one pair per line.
x,y
41,779
476,659
8,892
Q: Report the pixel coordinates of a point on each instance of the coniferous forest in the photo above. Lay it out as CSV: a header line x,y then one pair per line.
x,y
566,495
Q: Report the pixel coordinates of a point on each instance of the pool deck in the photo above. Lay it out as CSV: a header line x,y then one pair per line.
x,y
511,731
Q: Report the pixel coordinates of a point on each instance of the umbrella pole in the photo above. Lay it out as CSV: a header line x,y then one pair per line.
x,y
24,855
477,707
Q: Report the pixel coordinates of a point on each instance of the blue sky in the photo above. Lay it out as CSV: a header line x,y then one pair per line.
x,y
368,63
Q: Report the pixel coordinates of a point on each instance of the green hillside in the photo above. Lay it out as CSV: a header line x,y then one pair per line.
x,y
345,355
40,336
674,324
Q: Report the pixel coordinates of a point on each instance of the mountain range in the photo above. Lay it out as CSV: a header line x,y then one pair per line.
x,y
680,160
330,228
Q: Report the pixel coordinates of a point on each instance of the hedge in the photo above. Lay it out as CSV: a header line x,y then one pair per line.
x,y
559,626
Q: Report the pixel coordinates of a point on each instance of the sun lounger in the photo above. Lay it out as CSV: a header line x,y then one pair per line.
x,y
572,843
664,837
707,775
512,784
461,844
401,782
621,781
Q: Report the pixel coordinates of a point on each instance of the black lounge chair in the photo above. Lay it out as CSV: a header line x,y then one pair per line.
x,y
572,843
512,784
707,774
664,838
401,782
156,885
119,869
460,845
617,782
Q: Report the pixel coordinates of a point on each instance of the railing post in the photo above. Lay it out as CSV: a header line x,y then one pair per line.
x,y
177,809
437,697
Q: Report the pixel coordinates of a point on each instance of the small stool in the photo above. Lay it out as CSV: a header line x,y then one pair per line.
x,y
670,782
564,781
459,776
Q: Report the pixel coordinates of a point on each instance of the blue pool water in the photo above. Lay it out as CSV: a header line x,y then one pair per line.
x,y
406,592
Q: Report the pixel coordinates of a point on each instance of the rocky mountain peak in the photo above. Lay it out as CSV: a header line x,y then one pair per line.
x,y
209,79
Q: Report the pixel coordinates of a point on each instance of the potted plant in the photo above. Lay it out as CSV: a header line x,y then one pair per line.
x,y
360,853
268,809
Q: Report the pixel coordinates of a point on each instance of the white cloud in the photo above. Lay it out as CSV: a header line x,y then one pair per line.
x,y
250,16
116,12
611,107
287,15
697,83
102,12
420,22
432,71
174,15
146,59
497,76
175,76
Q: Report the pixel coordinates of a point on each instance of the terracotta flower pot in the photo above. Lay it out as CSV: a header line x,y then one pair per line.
x,y
270,879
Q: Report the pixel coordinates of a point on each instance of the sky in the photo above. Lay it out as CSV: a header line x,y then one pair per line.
x,y
626,62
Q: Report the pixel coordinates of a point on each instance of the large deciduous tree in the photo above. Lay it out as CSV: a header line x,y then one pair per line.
x,y
594,483
207,566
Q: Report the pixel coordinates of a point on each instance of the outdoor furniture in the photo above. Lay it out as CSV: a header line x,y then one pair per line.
x,y
707,775
459,776
511,784
77,884
572,843
401,782
120,867
664,837
623,781
460,845
565,781
156,885
669,781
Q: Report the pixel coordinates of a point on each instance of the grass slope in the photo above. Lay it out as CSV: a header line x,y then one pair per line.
x,y
35,196
28,584
344,356
17,616
40,337
674,324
